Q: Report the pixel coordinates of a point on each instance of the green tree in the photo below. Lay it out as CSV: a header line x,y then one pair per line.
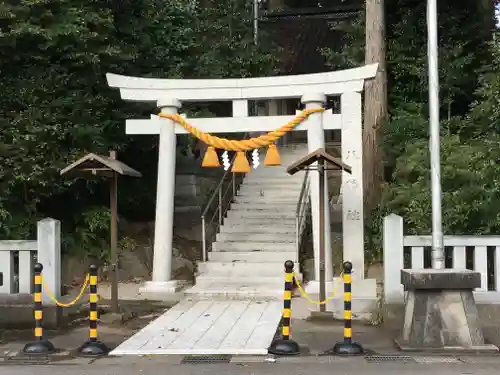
x,y
463,51
470,88
56,104
485,114
470,184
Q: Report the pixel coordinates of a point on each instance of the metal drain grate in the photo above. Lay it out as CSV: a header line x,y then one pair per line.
x,y
26,360
436,359
490,360
196,359
389,358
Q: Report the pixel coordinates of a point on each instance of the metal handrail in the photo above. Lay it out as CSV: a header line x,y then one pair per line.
x,y
224,195
305,182
301,211
219,186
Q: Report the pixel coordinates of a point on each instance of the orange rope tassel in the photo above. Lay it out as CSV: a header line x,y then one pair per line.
x,y
272,156
241,164
211,159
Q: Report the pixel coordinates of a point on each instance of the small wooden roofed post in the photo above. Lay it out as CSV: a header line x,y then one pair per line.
x,y
322,158
93,165
319,155
99,165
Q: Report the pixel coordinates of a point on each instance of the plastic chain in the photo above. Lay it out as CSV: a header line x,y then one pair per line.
x,y
69,304
308,299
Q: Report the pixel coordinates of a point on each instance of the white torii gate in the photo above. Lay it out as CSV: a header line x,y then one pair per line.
x,y
312,89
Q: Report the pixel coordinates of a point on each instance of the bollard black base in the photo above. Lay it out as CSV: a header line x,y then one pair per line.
x,y
93,349
284,347
39,347
348,348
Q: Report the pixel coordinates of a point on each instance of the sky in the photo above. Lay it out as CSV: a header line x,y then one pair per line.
x,y
497,11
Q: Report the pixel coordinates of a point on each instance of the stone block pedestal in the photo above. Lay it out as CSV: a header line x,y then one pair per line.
x,y
440,311
160,290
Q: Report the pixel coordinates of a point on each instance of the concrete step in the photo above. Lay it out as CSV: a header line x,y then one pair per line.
x,y
258,228
270,194
260,220
295,145
264,168
259,205
277,172
228,278
255,269
205,279
288,159
253,246
230,291
258,237
271,180
285,186
252,256
278,215
277,176
264,207
277,200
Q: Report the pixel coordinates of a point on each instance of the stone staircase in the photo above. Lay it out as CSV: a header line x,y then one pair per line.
x,y
257,237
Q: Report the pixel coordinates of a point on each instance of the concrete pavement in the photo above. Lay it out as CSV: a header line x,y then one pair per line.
x,y
314,338
341,367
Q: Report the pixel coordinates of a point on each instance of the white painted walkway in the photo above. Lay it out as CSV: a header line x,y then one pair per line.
x,y
208,327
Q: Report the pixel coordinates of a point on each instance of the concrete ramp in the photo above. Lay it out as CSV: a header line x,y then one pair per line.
x,y
208,327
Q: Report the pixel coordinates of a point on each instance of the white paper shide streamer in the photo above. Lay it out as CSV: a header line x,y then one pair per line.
x,y
225,161
255,159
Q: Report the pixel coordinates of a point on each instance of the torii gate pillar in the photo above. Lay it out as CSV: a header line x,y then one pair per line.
x,y
164,223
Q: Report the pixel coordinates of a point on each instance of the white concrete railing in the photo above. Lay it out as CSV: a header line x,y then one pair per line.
x,y
17,259
396,244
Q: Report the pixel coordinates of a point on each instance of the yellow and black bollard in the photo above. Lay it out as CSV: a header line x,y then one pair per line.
x,y
41,345
93,347
284,345
347,346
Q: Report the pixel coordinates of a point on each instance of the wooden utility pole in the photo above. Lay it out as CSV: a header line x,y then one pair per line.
x,y
375,109
487,8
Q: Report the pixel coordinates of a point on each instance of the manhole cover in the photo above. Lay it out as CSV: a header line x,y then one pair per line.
x,y
193,359
389,358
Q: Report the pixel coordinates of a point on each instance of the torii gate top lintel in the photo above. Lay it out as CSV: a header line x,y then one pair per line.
x,y
330,83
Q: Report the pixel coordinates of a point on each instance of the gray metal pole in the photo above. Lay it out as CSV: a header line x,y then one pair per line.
x,y
255,105
434,142
322,284
256,21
